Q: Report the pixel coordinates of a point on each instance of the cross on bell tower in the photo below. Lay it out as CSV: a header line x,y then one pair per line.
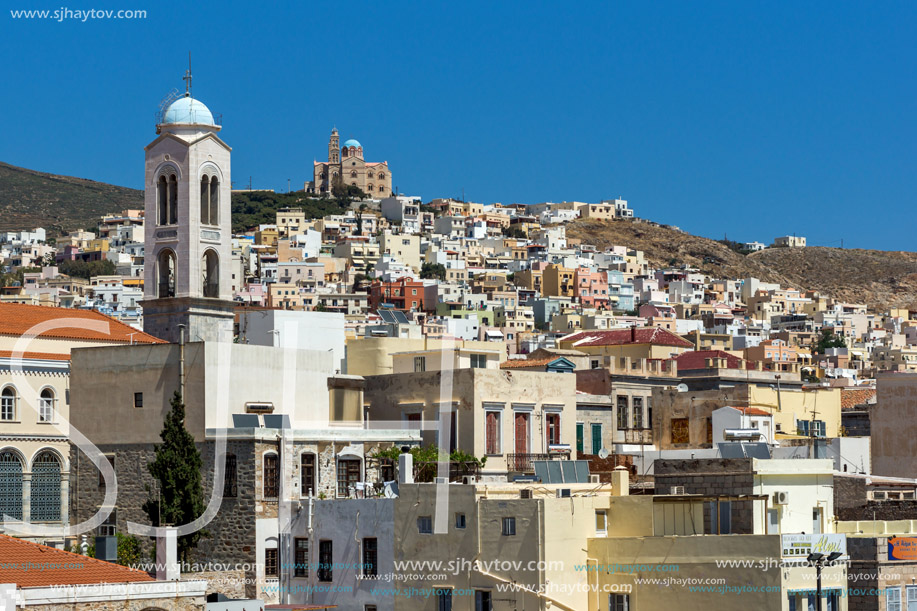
x,y
187,77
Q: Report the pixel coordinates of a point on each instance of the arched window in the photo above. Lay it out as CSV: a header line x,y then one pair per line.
x,y
210,200
381,176
353,184
46,486
10,485
369,188
166,268
46,406
214,200
370,174
324,175
353,174
210,274
173,199
162,192
205,200
8,404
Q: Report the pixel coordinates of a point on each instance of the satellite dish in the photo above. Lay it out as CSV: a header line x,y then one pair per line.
x,y
391,490
682,388
603,453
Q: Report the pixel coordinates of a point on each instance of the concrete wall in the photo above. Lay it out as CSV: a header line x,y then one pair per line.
x,y
321,331
894,425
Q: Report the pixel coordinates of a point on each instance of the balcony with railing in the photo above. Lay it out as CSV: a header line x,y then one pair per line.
x,y
523,463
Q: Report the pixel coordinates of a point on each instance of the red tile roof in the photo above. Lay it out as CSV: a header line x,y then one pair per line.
x,y
697,359
47,356
618,337
524,363
852,397
30,565
18,319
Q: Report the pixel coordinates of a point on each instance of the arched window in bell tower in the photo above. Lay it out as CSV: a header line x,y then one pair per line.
x,y
214,200
166,273
210,274
162,193
205,200
173,199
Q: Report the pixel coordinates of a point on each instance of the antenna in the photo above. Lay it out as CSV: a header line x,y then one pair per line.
x,y
187,77
166,102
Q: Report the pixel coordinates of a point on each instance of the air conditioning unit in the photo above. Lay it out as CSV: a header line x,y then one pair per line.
x,y
563,493
441,480
594,478
469,479
677,490
781,498
525,493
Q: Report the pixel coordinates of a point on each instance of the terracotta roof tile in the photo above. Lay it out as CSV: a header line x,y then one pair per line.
x,y
18,319
852,397
30,565
697,359
47,356
617,337
524,363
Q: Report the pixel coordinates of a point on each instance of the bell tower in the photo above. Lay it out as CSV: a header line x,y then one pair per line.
x,y
187,229
334,147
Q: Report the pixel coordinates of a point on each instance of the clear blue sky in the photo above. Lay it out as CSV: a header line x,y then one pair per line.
x,y
747,119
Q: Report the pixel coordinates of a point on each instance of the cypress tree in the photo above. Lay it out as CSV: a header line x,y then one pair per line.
x,y
177,468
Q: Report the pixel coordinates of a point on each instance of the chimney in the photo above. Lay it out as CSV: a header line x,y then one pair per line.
x,y
167,567
620,478
633,334
405,467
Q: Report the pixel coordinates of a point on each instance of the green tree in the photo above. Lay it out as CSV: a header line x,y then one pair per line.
x,y
84,269
129,551
829,339
177,468
433,270
514,232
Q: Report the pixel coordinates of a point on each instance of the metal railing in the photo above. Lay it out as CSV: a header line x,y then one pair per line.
x,y
523,462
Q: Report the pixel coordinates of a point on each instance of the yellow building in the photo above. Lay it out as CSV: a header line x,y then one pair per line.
x,y
557,281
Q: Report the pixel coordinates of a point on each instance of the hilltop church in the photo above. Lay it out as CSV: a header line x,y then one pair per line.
x,y
346,163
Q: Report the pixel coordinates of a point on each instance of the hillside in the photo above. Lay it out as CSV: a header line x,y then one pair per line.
x,y
880,279
30,199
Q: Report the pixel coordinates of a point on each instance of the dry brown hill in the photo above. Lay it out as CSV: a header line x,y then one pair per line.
x,y
880,279
30,199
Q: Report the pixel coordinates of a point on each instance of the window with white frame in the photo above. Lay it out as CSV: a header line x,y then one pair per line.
x,y
893,599
618,602
601,522
46,406
8,404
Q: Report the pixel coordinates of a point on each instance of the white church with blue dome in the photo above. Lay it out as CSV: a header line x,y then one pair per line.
x,y
347,166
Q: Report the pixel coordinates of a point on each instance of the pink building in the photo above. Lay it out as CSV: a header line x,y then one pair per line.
x,y
591,288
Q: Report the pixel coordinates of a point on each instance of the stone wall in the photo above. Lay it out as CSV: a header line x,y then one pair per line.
x,y
185,603
849,493
720,477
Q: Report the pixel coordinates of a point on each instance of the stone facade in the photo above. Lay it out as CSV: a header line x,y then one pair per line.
x,y
185,603
870,570
346,164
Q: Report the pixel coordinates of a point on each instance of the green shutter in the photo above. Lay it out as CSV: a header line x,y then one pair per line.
x,y
579,437
596,438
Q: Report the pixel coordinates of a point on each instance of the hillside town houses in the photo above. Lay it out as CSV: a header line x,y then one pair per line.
x,y
582,405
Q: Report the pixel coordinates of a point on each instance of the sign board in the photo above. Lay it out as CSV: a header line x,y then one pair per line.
x,y
902,548
800,546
